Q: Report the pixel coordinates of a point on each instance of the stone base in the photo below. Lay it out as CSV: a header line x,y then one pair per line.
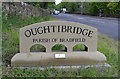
x,y
99,67
49,59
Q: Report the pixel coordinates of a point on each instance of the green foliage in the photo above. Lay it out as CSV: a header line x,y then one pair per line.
x,y
71,6
93,8
51,6
90,7
79,47
16,72
58,47
37,48
101,5
10,34
45,5
114,7
15,21
36,4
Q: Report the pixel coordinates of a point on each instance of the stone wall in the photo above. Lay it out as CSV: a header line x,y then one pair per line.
x,y
23,9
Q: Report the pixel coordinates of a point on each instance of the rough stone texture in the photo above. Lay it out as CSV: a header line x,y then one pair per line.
x,y
28,59
48,59
99,67
27,42
23,9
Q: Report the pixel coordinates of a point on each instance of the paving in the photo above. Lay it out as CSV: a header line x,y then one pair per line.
x,y
105,25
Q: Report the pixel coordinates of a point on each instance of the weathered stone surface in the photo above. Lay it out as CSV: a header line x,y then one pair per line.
x,y
30,35
51,33
48,59
23,9
99,67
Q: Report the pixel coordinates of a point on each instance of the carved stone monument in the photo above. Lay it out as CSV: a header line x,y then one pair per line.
x,y
51,33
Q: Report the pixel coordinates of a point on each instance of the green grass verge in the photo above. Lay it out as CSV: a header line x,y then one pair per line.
x,y
10,46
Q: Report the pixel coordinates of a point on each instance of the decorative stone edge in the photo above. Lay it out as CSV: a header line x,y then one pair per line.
x,y
98,67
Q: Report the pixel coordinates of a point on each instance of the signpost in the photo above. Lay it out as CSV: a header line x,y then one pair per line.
x,y
51,33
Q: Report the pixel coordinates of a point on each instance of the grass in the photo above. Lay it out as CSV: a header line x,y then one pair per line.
x,y
10,46
37,48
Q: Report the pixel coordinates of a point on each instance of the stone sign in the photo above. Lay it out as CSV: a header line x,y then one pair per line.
x,y
51,33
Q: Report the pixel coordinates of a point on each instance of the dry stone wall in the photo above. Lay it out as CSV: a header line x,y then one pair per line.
x,y
23,9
